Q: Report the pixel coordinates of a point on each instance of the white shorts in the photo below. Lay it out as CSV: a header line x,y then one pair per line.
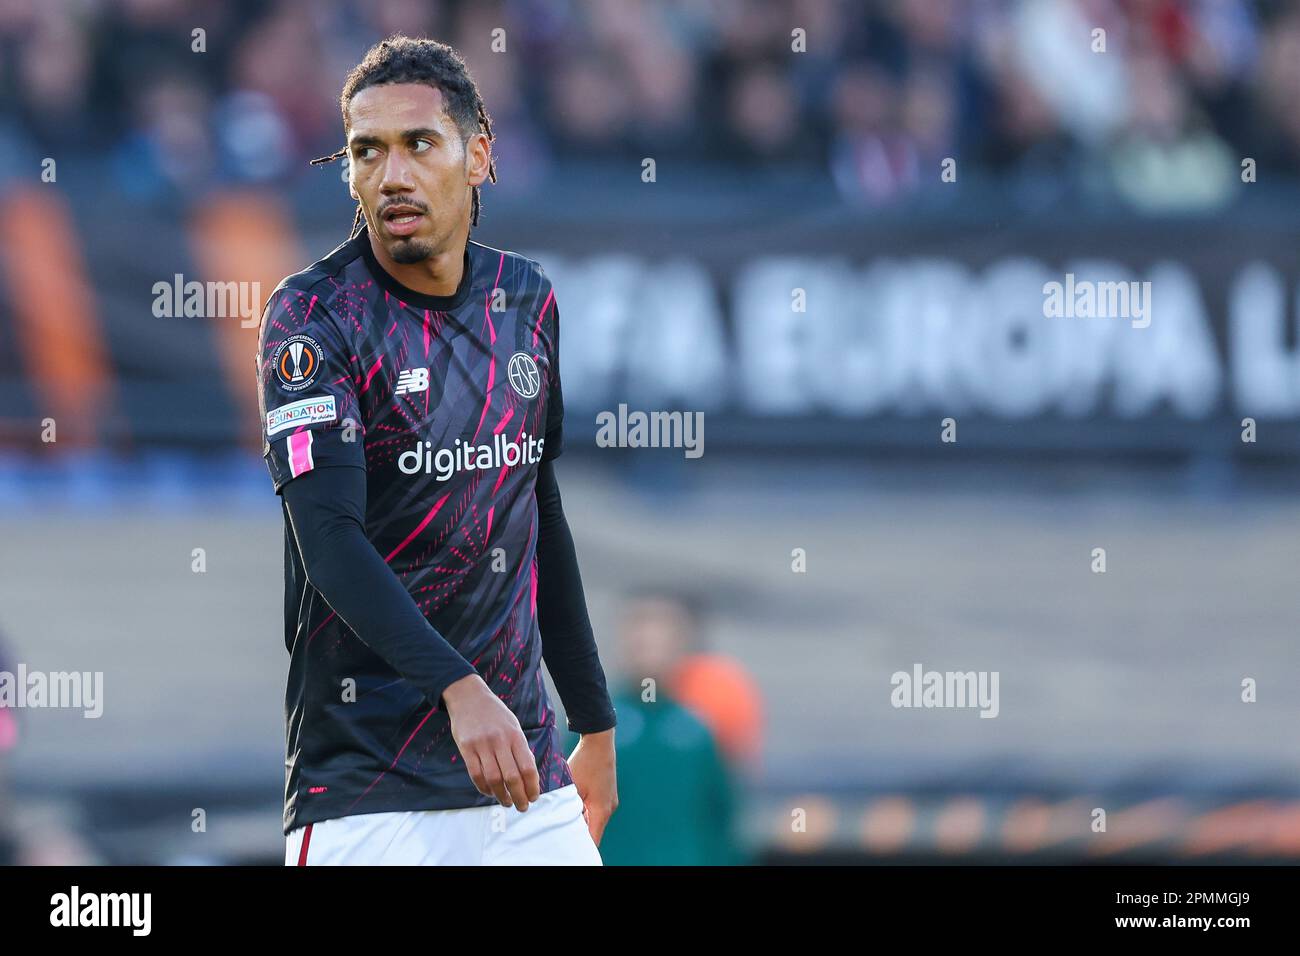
x,y
551,832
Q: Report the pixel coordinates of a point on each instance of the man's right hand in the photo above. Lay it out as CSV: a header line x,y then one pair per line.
x,y
492,743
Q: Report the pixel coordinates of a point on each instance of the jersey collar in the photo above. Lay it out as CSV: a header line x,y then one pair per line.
x,y
436,303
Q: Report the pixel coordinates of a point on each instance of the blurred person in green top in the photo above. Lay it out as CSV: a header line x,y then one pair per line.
x,y
677,794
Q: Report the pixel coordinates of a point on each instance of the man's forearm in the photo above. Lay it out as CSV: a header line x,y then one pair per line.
x,y
568,643
326,509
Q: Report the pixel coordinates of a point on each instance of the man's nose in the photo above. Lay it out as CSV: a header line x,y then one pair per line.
x,y
397,174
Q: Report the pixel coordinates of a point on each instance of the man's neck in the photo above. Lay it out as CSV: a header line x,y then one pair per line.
x,y
440,274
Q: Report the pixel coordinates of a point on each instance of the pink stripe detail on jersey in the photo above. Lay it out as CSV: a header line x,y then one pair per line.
x,y
329,618
426,333
419,527
487,299
505,468
492,375
510,413
310,306
550,296
531,524
300,457
395,759
487,535
534,586
371,374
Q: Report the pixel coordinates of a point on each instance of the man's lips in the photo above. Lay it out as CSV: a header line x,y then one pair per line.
x,y
392,212
402,220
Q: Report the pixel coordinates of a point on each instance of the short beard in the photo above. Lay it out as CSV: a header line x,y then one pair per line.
x,y
410,251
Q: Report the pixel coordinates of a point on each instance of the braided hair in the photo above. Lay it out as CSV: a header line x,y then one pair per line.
x,y
401,59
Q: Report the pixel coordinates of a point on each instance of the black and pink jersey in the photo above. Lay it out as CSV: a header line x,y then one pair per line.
x,y
449,403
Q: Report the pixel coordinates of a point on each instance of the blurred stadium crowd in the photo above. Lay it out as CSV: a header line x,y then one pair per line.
x,y
886,89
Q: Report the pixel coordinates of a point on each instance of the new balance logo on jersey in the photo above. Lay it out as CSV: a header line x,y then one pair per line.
x,y
412,380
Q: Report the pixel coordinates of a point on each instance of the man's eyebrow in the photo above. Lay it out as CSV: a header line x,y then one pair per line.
x,y
369,139
422,132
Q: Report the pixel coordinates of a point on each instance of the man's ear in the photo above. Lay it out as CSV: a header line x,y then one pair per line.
x,y
480,140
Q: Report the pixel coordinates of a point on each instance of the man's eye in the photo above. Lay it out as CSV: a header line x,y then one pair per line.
x,y
366,152
423,142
